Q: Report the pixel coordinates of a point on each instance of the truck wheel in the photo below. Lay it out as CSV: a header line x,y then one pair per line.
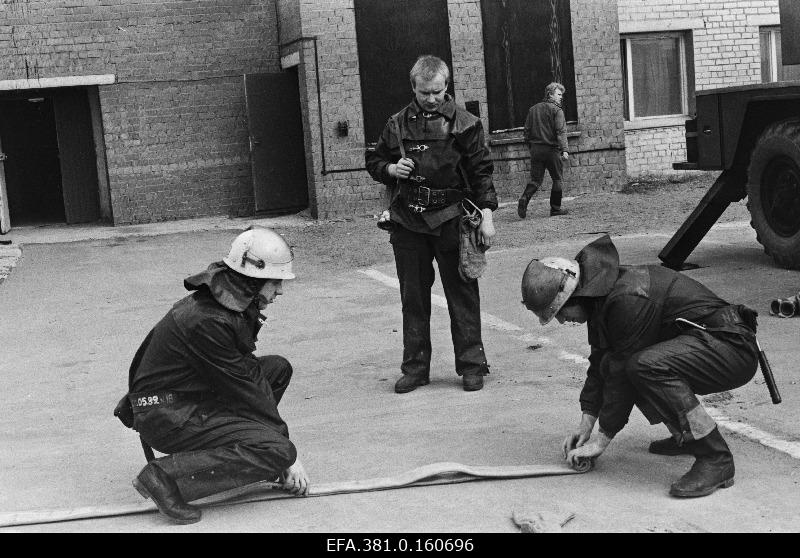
x,y
773,192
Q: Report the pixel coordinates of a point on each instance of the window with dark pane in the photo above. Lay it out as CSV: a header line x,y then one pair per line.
x,y
527,44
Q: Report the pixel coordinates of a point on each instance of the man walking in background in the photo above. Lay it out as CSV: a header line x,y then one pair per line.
x,y
546,134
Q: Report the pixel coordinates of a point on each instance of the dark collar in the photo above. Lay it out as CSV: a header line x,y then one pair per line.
x,y
227,287
448,108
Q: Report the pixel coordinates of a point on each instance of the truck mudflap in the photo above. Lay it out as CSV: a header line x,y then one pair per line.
x,y
730,186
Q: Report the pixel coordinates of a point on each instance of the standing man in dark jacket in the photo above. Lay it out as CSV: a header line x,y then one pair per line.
x,y
200,395
433,155
546,133
657,338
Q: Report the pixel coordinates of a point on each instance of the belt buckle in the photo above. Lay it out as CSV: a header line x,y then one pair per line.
x,y
419,204
427,195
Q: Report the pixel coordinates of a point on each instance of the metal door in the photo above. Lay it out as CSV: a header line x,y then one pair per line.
x,y
78,160
277,149
5,218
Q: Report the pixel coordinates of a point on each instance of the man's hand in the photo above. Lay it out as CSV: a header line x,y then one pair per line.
x,y
581,436
486,230
590,450
564,155
402,169
295,479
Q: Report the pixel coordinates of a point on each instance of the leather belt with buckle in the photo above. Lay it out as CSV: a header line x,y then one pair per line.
x,y
421,198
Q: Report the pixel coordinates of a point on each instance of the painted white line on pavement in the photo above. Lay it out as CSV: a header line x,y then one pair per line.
x,y
486,319
763,438
577,359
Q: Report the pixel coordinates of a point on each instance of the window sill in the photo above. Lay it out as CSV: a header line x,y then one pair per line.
x,y
656,122
516,137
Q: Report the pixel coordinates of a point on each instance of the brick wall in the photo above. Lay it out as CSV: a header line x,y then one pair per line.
x,y
651,151
174,121
330,64
177,149
726,52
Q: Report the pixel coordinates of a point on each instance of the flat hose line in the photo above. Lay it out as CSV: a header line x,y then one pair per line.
x,y
427,475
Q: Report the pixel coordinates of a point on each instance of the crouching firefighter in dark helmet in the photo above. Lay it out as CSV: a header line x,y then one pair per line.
x,y
433,155
200,395
657,338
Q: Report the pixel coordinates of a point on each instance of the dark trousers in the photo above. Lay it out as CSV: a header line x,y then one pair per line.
x,y
544,157
213,449
414,254
669,374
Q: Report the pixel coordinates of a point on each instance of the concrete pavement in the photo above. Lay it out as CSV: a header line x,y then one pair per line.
x,y
75,312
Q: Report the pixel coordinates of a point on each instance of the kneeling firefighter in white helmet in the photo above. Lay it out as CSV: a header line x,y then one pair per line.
x,y
657,338
199,394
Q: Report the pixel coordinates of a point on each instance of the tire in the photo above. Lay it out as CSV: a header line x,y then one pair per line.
x,y
773,191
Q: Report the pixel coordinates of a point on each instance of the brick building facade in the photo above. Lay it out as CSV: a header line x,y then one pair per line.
x,y
722,46
169,129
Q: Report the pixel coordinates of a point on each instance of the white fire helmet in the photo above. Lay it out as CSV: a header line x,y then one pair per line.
x,y
261,253
547,284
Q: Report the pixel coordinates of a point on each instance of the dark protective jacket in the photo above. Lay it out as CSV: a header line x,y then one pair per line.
x,y
205,345
546,125
630,308
449,152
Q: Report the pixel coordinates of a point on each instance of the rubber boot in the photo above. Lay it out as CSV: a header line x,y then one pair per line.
x,y
713,468
668,446
154,483
555,203
522,205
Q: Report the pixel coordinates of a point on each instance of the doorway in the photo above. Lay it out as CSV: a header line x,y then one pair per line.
x,y
277,147
32,167
49,164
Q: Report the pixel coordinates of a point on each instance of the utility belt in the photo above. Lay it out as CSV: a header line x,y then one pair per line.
x,y
144,400
420,198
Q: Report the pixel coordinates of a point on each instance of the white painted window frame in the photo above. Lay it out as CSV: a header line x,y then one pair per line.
x,y
681,36
772,35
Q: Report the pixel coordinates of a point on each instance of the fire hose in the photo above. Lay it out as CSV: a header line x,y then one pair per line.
x,y
432,474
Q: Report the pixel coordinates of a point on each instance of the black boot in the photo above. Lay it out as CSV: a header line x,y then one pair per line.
x,y
668,446
522,207
410,382
555,203
472,382
713,468
154,483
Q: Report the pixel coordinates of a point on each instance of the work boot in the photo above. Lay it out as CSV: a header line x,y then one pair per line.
x,y
410,382
668,446
154,483
555,211
522,207
472,382
713,468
